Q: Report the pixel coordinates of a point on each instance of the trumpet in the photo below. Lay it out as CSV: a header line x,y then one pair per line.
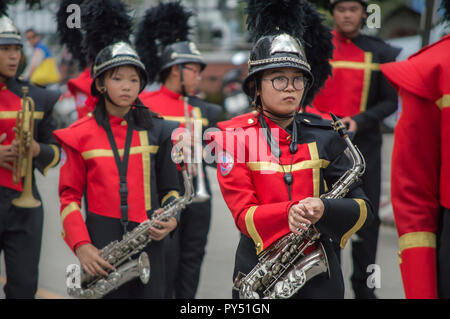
x,y
201,194
23,164
195,128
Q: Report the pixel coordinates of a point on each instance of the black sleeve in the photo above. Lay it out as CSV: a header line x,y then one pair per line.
x,y
166,169
387,96
49,154
342,217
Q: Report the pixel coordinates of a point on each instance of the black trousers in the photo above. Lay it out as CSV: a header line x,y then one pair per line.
x,y
187,249
323,286
364,245
443,255
20,240
104,230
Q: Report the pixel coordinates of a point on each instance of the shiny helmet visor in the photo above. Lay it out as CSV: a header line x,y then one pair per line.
x,y
9,34
181,53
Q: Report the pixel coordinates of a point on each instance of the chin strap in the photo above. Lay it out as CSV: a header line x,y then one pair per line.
x,y
183,88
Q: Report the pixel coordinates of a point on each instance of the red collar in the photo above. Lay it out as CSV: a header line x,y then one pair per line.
x,y
170,93
282,134
340,38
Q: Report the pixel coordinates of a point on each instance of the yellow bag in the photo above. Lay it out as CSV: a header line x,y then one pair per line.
x,y
46,73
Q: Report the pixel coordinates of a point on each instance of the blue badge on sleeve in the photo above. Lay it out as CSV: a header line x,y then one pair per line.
x,y
63,157
226,163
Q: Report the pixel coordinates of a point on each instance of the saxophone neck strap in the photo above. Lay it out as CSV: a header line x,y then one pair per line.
x,y
122,167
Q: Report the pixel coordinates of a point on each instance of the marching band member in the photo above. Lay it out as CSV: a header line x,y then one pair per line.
x,y
120,158
359,93
420,184
21,228
178,69
80,86
272,182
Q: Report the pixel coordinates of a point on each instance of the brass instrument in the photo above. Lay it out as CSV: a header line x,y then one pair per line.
x,y
23,164
201,194
194,127
284,267
119,253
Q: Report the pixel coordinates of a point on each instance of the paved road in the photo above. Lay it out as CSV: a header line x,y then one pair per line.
x,y
216,276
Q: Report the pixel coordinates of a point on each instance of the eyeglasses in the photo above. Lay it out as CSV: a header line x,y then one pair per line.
x,y
280,83
196,71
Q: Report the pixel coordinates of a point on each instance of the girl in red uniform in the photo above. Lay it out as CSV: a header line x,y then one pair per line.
x,y
120,159
276,162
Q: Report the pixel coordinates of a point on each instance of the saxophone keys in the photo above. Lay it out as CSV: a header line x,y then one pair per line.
x,y
285,257
114,278
266,279
276,268
256,285
293,249
142,238
101,286
134,243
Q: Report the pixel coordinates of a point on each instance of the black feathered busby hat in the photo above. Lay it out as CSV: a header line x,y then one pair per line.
x,y
334,2
445,5
9,34
72,38
106,26
288,33
162,39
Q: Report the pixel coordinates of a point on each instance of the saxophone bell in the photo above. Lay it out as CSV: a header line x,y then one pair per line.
x,y
139,267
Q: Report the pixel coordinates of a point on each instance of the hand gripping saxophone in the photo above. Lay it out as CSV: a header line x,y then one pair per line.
x,y
119,253
284,267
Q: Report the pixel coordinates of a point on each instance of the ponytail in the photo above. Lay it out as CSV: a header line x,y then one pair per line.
x,y
142,115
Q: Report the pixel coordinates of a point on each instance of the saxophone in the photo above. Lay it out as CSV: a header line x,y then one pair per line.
x,y
284,267
119,253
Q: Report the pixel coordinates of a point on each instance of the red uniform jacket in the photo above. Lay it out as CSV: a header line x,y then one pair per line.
x,y
356,87
169,105
89,165
10,104
80,88
420,182
252,179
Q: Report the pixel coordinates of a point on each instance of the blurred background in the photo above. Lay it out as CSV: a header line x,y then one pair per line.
x,y
220,31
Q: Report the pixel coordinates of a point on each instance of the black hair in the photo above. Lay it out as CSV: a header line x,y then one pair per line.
x,y
445,6
31,30
142,116
164,74
332,6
